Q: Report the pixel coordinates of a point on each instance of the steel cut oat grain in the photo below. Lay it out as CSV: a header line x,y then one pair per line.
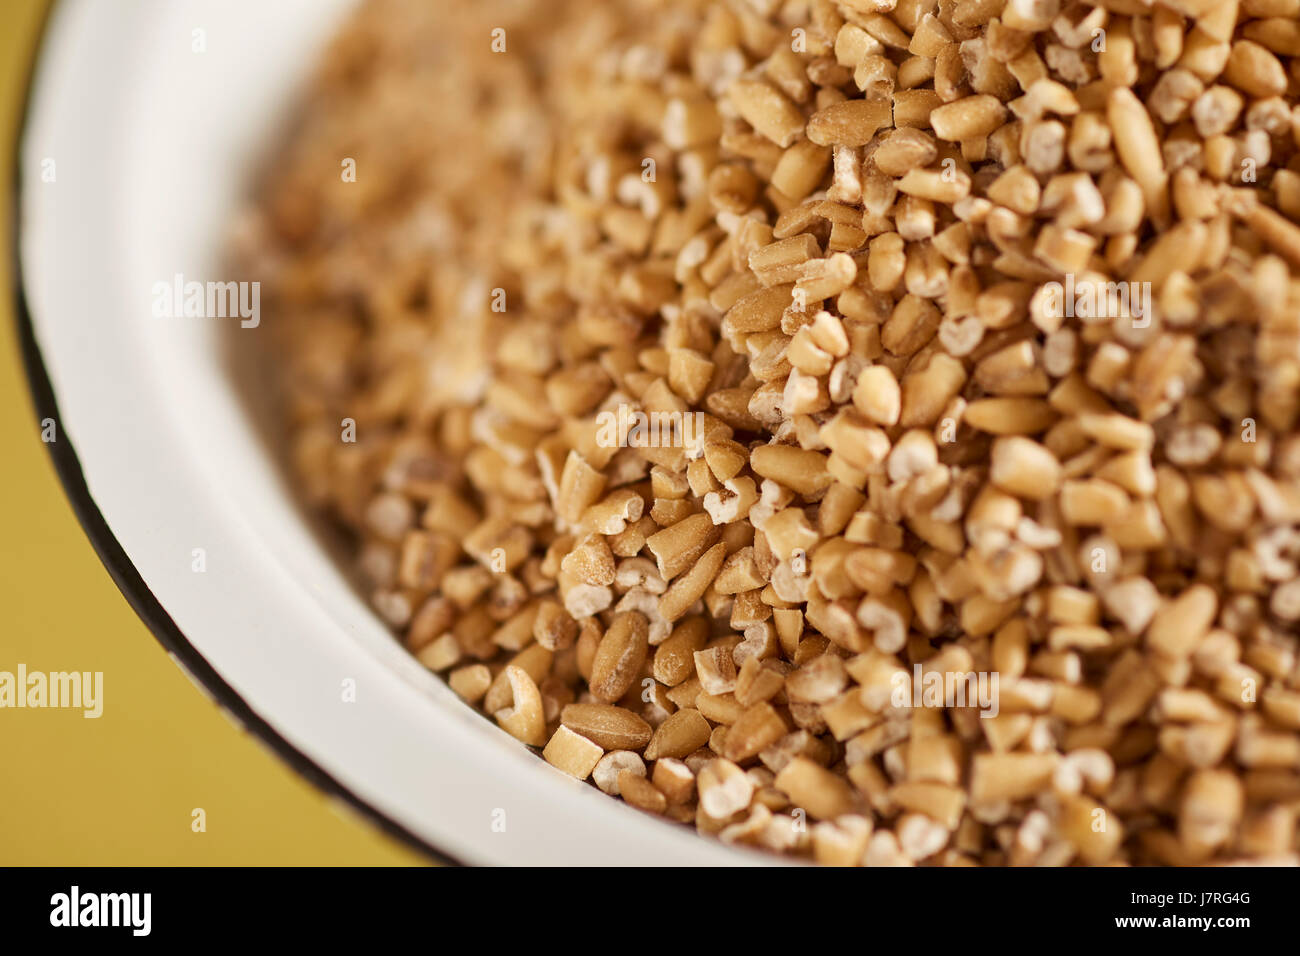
x,y
991,312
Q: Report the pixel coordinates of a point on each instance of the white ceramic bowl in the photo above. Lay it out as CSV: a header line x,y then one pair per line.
x,y
152,145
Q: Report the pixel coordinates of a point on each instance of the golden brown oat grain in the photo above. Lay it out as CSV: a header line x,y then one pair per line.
x,y
989,342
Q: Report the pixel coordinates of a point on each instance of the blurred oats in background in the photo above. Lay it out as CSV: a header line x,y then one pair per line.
x,y
161,777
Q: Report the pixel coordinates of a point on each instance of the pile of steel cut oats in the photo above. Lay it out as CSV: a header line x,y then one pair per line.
x,y
864,430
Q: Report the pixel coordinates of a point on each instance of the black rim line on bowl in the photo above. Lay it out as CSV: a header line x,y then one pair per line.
x,y
110,551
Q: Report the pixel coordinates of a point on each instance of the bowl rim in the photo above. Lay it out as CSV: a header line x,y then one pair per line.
x,y
419,764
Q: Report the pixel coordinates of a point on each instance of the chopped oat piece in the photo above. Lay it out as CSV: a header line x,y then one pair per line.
x,y
874,443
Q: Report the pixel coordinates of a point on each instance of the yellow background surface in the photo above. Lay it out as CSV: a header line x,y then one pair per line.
x,y
119,790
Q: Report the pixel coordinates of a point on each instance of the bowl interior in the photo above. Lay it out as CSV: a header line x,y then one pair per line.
x,y
152,117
